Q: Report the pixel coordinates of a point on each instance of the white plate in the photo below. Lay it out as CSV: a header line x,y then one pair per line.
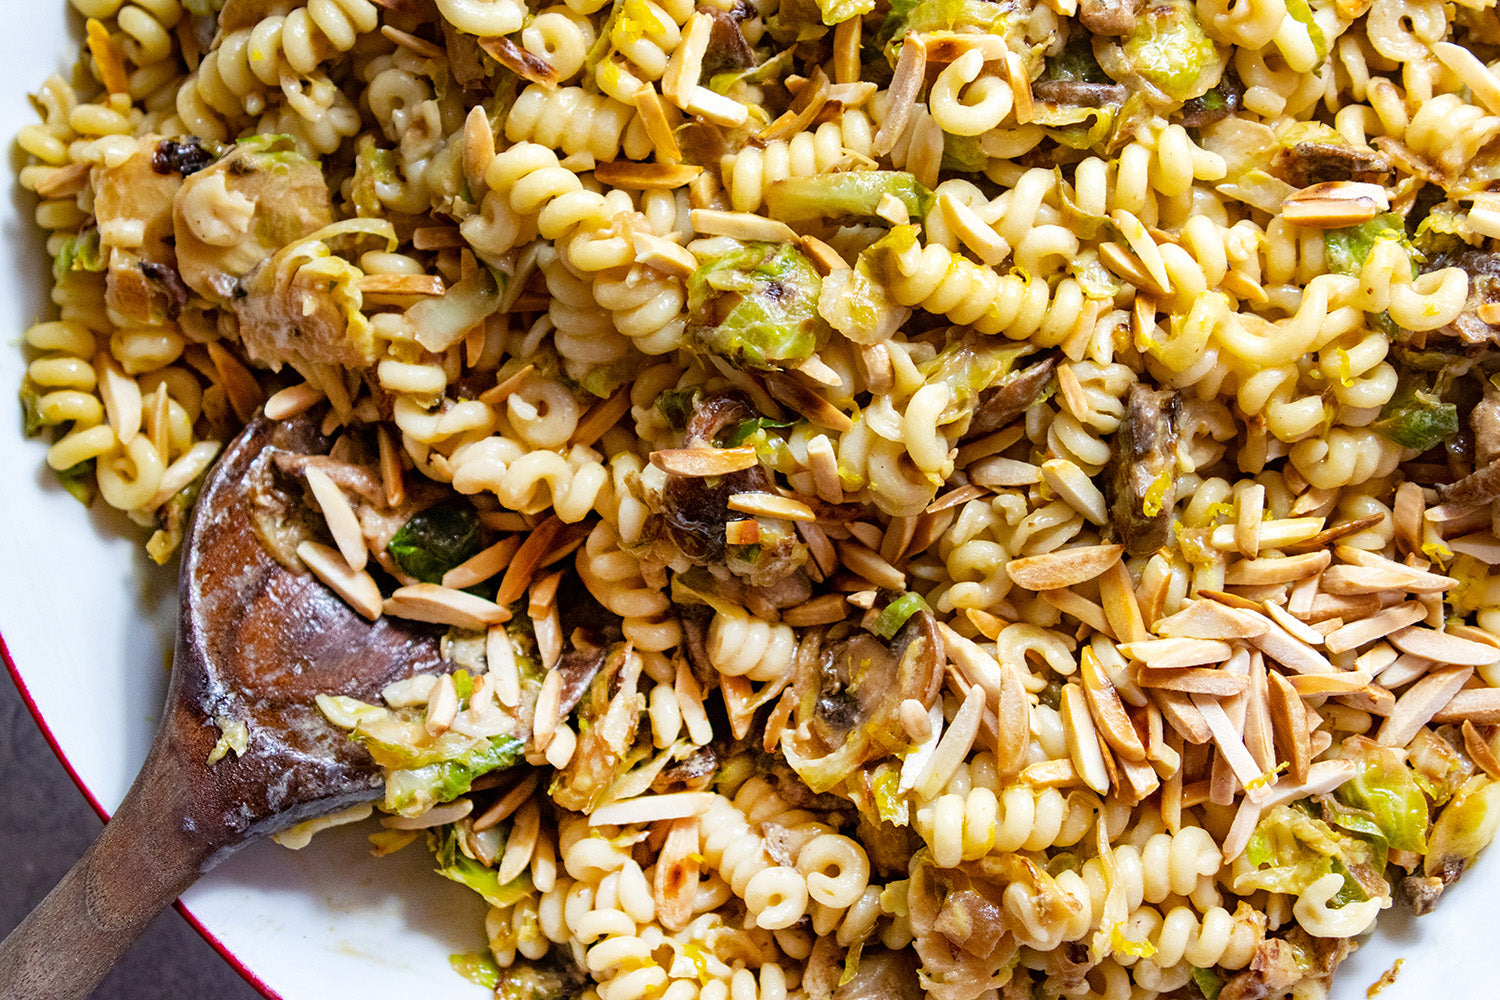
x,y
87,620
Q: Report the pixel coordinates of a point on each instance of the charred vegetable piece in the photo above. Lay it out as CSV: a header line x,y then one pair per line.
x,y
608,715
554,977
1216,105
1145,470
1168,48
882,975
1383,786
1109,17
971,368
1416,417
930,15
134,194
181,156
1000,404
1313,153
849,699
1483,268
756,305
1076,63
79,253
231,216
435,540
853,195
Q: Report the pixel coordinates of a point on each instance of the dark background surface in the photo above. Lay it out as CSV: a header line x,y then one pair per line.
x,y
45,826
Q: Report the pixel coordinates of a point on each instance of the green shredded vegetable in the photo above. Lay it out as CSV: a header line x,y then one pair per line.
x,y
435,540
896,613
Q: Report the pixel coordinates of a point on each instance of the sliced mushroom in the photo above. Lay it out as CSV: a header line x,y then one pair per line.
x,y
850,696
1000,404
1109,17
1306,163
883,975
1145,470
133,208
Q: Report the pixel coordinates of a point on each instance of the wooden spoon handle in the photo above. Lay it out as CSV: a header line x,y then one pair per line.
x,y
141,862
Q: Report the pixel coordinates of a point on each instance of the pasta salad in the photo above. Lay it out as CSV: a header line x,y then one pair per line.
x,y
966,499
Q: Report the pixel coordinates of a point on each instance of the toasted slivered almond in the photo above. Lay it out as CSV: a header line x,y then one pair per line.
x,y
815,370
803,399
824,257
1378,626
956,497
907,80
1083,739
979,236
1193,680
1420,703
1128,266
1085,610
1295,626
601,417
945,46
68,179
865,532
523,63
810,99
439,815
771,505
1335,204
716,108
429,602
482,565
1329,535
1179,712
1403,670
1289,722
1050,774
292,400
1227,739
999,472
1278,533
652,111
1345,607
437,238
650,808
898,535
1064,568
1123,611
819,547
1109,712
400,284
701,462
988,625
1013,722
442,706
357,588
1479,751
1275,569
419,46
1076,489
685,68
1440,647
517,579
825,609
1201,619
1249,515
867,563
1348,682
1177,652
1480,704
507,386
239,385
742,532
675,886
1384,575
741,226
823,463
340,517
634,176
1277,643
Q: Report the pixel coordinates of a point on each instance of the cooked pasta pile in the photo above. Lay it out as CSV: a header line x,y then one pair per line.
x,y
951,498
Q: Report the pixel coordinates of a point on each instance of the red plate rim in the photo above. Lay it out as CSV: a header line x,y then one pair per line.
x,y
234,962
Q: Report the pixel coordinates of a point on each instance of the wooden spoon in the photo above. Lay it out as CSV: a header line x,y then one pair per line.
x,y
256,642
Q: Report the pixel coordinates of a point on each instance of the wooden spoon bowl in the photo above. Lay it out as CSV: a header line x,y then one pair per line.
x,y
256,642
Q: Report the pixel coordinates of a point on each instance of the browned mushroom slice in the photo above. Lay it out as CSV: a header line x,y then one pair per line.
x,y
1001,404
133,208
1308,163
883,975
1079,93
1145,470
1473,324
1109,17
849,699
